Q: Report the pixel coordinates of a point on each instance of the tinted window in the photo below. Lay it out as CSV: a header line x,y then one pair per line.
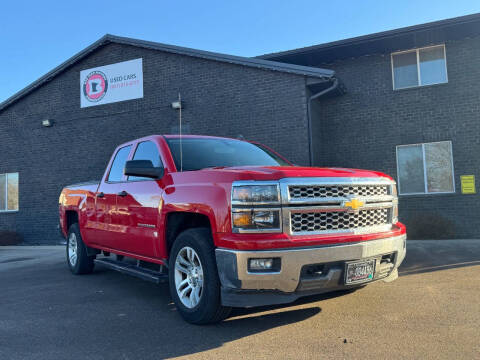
x,y
146,151
410,169
203,153
405,70
438,159
419,67
425,168
432,65
3,198
9,192
12,191
116,172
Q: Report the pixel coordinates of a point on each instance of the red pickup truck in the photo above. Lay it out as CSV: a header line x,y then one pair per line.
x,y
230,223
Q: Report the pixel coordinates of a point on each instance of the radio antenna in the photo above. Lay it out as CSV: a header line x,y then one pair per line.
x,y
180,130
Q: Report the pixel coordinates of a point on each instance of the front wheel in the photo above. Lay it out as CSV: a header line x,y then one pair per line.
x,y
193,277
78,260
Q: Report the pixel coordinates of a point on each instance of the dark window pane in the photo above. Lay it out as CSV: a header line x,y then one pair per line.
x,y
116,172
405,70
410,169
438,159
3,184
12,191
432,66
146,151
203,153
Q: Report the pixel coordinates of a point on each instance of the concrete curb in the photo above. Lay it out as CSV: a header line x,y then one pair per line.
x,y
32,247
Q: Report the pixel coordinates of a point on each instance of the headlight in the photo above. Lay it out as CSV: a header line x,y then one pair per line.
x,y
249,210
256,220
395,214
255,194
394,190
395,204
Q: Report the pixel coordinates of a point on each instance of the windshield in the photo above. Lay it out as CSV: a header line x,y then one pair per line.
x,y
201,153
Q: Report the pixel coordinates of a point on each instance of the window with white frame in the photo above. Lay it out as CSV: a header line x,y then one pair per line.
x,y
425,168
419,67
9,192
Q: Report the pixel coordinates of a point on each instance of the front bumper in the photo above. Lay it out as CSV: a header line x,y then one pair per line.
x,y
240,287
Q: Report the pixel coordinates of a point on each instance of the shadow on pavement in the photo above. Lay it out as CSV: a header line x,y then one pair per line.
x,y
189,339
301,301
433,255
47,313
53,313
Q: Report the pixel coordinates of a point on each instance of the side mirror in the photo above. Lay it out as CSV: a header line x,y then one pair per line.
x,y
143,168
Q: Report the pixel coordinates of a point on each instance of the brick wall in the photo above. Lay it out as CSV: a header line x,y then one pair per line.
x,y
220,99
362,128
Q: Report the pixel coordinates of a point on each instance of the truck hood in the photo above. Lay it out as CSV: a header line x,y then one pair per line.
x,y
279,172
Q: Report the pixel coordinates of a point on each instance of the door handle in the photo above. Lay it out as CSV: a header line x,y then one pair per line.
x,y
100,195
122,193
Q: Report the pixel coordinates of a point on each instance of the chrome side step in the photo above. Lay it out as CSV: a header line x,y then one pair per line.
x,y
134,270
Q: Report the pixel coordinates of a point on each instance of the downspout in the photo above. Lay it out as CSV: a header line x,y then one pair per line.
x,y
309,115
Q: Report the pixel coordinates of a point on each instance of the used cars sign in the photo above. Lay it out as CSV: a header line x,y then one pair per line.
x,y
111,83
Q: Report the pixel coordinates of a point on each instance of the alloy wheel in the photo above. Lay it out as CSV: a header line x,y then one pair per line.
x,y
72,249
188,277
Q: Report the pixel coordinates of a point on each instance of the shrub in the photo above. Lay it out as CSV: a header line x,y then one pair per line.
x,y
427,226
9,238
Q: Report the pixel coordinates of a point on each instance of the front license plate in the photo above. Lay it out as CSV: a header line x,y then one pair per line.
x,y
360,271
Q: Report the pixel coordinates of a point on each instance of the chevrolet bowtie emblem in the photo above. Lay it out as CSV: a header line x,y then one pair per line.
x,y
354,204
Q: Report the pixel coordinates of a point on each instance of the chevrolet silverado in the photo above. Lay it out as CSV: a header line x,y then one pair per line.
x,y
231,223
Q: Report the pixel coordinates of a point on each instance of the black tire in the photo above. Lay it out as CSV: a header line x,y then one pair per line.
x,y
83,263
209,308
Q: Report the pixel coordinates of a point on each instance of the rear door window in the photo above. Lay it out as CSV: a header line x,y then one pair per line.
x,y
116,171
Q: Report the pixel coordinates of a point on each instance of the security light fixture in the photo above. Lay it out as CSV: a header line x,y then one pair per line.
x,y
177,105
47,123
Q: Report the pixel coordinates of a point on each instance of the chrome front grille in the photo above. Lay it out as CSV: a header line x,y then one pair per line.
x,y
312,206
326,191
337,220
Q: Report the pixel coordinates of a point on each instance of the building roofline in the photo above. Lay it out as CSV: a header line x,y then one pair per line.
x,y
232,59
375,36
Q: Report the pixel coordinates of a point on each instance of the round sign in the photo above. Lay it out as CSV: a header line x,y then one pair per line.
x,y
95,86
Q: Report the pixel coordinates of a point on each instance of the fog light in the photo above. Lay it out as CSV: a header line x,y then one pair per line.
x,y
261,265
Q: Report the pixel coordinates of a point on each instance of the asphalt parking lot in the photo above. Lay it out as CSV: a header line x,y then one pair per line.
x,y
432,311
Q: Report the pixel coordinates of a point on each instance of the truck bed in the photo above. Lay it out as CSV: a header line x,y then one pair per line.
x,y
84,184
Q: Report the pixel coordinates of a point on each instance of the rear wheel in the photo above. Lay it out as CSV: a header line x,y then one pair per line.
x,y
193,277
77,259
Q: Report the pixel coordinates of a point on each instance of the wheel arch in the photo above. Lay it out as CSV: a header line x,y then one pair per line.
x,y
179,221
71,217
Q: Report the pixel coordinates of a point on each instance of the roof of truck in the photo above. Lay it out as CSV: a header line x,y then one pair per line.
x,y
176,136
